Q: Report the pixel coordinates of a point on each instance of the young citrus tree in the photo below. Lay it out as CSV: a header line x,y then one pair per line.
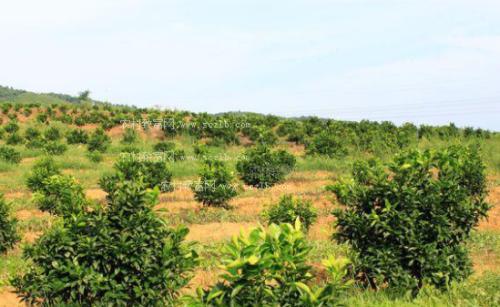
x,y
121,254
407,221
262,168
10,155
43,169
154,173
98,141
8,233
215,186
60,195
289,209
269,268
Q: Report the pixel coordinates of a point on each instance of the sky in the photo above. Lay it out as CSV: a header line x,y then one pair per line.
x,y
418,61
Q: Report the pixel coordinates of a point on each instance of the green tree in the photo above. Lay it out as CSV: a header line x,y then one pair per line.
x,y
407,221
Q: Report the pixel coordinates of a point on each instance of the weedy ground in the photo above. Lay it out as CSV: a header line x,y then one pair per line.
x,y
212,227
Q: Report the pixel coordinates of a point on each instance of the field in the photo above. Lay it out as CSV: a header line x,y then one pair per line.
x,y
211,227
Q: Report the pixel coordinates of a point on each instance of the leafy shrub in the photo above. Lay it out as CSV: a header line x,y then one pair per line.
x,y
31,133
129,136
14,139
263,168
8,233
268,268
98,141
407,221
130,149
327,144
52,134
55,148
164,146
43,168
77,136
60,195
200,150
120,254
289,210
155,173
80,121
10,155
11,127
42,118
176,155
215,185
36,143
94,156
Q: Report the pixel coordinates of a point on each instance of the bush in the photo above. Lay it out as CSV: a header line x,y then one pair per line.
x,y
14,139
77,136
55,148
31,134
98,141
164,146
130,149
43,168
120,254
94,156
11,127
60,195
268,268
52,134
407,221
8,233
42,118
215,185
155,173
263,168
289,210
327,144
36,143
176,155
10,155
129,136
200,150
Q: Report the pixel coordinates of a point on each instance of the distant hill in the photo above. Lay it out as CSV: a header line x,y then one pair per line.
x,y
9,94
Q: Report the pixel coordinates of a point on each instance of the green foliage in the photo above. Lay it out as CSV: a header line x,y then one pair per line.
x,y
154,173
60,195
11,127
262,168
8,233
32,133
98,141
327,144
10,155
14,139
288,210
77,136
43,168
129,136
200,150
407,221
269,268
55,148
52,134
215,186
120,254
164,146
94,156
42,118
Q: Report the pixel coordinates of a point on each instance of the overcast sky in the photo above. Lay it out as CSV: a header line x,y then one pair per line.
x,y
400,60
